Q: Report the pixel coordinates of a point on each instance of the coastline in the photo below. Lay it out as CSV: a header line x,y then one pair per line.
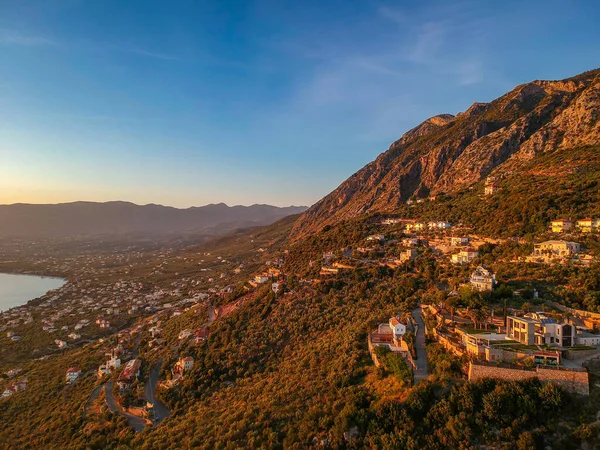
x,y
23,293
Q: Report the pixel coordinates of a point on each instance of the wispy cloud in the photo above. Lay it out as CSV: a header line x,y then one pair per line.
x,y
151,54
12,37
430,39
392,14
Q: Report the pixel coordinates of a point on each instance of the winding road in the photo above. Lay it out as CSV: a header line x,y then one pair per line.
x,y
161,412
135,422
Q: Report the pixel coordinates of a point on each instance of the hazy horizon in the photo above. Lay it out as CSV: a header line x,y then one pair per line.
x,y
155,204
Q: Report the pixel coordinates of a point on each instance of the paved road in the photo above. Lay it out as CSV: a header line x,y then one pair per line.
x,y
93,396
422,371
161,412
211,315
135,422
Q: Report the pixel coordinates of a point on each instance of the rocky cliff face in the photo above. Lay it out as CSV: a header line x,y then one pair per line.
x,y
447,153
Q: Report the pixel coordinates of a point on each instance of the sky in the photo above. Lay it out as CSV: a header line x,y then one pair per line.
x,y
193,102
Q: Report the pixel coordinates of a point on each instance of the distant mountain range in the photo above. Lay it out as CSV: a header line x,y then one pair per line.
x,y
447,153
89,218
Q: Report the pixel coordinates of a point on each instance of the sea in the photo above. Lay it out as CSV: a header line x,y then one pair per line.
x,y
16,290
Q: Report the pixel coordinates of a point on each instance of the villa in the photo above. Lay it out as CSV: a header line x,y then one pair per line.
x,y
465,256
549,250
588,225
129,374
540,330
482,279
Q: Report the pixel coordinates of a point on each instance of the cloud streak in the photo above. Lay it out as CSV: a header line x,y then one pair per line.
x,y
15,38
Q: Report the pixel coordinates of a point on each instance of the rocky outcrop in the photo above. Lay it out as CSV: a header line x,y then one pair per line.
x,y
447,153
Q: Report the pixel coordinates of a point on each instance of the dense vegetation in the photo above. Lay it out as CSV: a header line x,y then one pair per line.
x,y
555,185
292,369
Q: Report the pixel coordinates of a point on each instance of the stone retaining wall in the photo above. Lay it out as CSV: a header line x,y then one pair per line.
x,y
578,354
572,381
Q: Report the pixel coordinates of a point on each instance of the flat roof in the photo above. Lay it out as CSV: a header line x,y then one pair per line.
x,y
490,336
523,319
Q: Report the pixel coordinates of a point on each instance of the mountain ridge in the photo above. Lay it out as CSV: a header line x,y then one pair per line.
x,y
447,153
119,217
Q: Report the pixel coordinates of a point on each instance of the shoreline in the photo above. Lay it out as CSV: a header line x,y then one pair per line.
x,y
27,301
52,277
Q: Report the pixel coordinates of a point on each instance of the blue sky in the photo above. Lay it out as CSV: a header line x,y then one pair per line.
x,y
190,102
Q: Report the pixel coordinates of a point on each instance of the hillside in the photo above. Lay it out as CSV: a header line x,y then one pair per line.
x,y
447,154
88,218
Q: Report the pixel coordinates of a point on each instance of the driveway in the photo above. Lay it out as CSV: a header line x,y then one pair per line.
x,y
161,412
422,371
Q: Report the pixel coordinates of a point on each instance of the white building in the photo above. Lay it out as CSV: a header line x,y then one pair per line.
x,y
556,249
591,340
483,279
72,374
398,328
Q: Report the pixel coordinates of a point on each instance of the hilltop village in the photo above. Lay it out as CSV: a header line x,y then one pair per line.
x,y
139,332
128,322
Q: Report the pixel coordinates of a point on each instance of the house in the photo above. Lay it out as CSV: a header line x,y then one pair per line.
x,y
390,335
275,287
60,344
482,279
482,345
19,386
398,328
459,241
465,256
72,374
407,255
549,250
588,225
260,279
201,335
113,363
129,374
184,334
416,226
74,336
8,392
185,364
413,242
561,225
491,186
540,330
376,237
589,339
